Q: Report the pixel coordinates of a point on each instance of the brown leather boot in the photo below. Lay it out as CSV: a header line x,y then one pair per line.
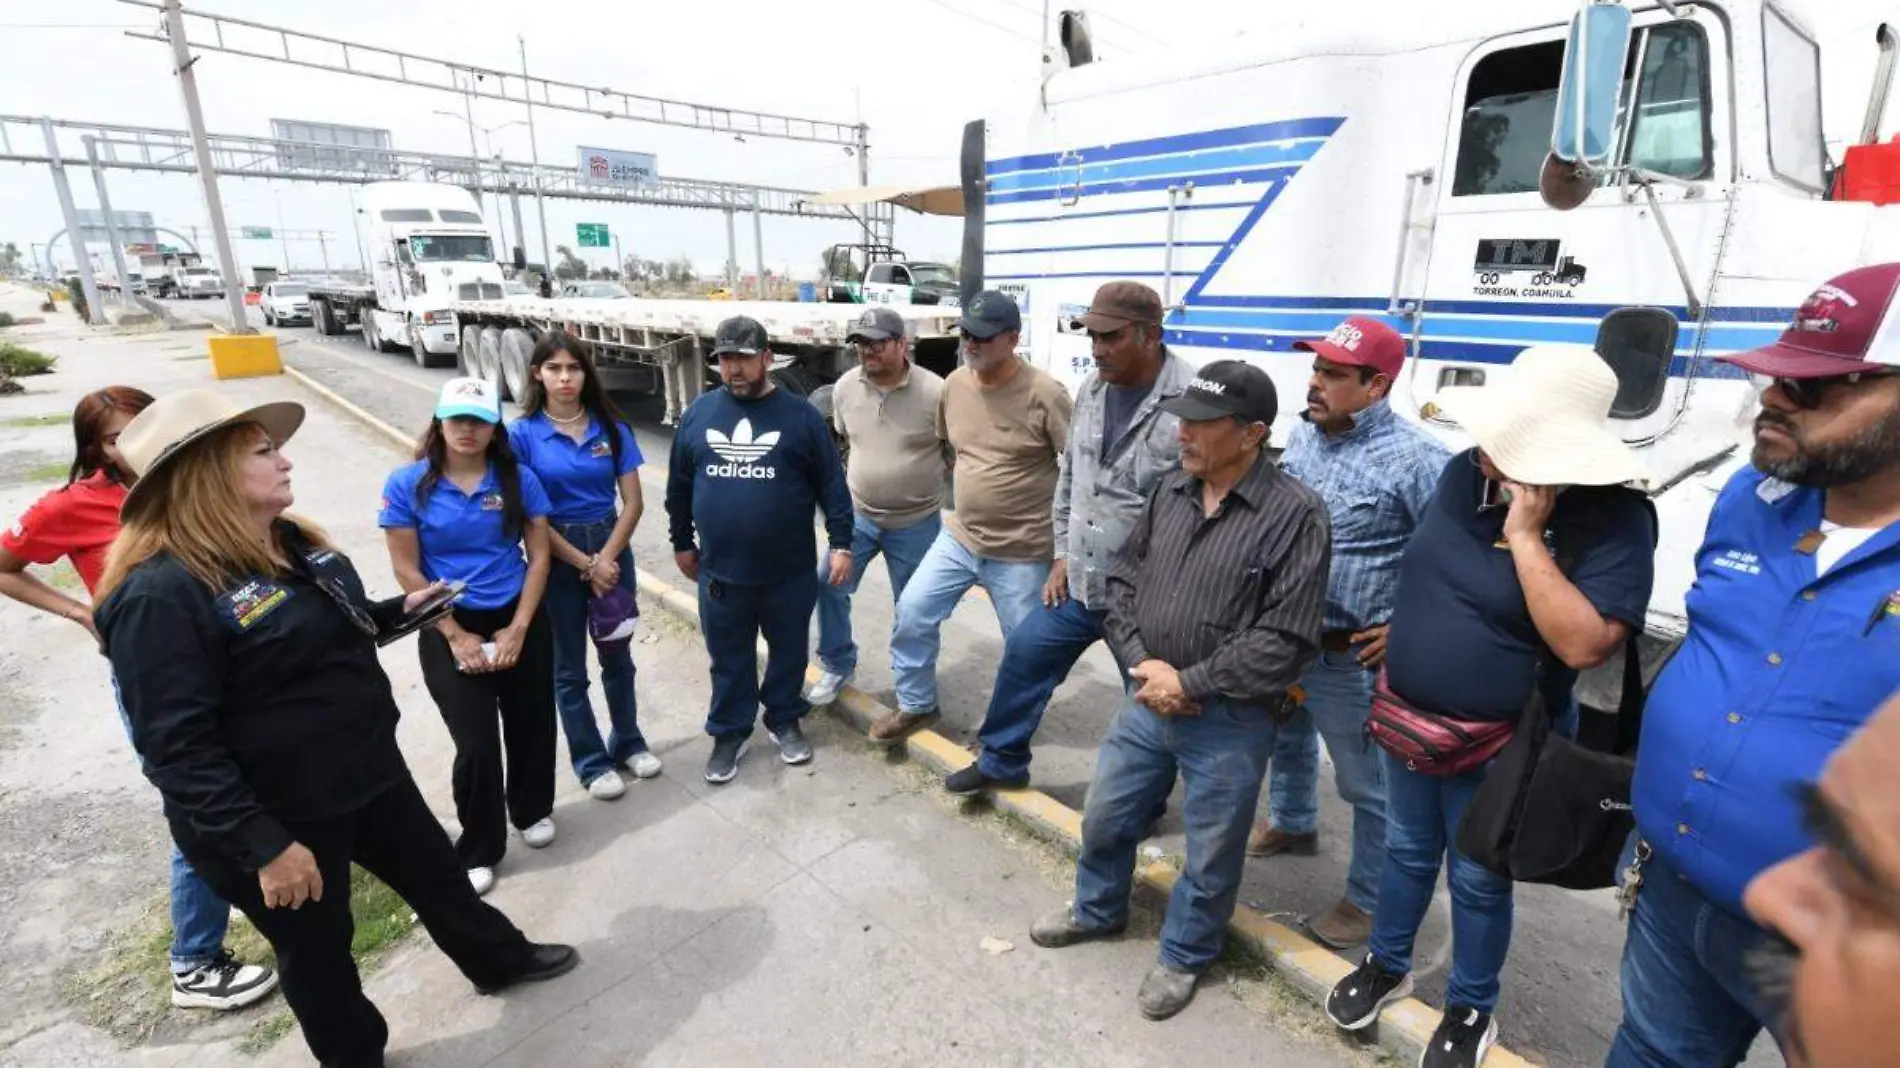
x,y
1343,925
1269,841
891,730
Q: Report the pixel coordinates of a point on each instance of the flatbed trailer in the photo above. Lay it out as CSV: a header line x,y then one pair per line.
x,y
659,346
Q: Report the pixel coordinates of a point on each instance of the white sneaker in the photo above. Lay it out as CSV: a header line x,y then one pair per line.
x,y
222,984
608,787
644,765
825,690
482,879
539,836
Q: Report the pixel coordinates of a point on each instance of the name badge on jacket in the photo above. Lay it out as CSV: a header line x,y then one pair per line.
x,y
249,603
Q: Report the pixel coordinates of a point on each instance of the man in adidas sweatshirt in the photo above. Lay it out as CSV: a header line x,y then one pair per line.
x,y
751,463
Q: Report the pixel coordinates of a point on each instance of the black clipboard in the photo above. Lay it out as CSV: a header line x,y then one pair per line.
x,y
426,614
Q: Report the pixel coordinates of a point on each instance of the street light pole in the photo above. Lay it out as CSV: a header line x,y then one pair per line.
x,y
283,240
534,156
207,173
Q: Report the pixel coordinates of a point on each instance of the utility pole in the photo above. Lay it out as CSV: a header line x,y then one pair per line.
x,y
620,265
521,235
758,241
324,251
283,239
112,224
207,173
534,156
78,240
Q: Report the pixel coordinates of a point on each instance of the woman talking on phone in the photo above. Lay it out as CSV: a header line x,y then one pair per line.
x,y
466,511
575,440
245,650
77,522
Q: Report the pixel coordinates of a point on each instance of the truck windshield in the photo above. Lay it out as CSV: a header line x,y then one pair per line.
x,y
932,274
456,248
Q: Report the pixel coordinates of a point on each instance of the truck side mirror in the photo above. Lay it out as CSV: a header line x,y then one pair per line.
x,y
1584,130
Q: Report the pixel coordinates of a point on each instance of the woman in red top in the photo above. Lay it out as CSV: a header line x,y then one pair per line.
x,y
78,522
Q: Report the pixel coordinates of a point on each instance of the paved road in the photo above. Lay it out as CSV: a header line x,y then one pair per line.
x,y
1560,1003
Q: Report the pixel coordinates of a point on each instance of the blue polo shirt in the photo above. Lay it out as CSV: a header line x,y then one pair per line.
x,y
1462,641
580,477
462,534
1778,669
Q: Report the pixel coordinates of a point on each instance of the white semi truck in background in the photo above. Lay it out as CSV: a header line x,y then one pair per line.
x,y
428,248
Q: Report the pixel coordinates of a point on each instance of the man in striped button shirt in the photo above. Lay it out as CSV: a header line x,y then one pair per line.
x,y
1376,473
1215,599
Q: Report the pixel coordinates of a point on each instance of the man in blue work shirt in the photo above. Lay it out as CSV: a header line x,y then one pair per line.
x,y
1794,640
750,464
1121,444
1377,473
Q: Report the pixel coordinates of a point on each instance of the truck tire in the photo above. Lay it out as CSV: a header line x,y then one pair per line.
x,y
516,348
425,358
822,399
325,318
490,350
468,359
796,380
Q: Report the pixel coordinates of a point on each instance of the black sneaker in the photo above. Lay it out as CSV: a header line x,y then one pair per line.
x,y
792,746
222,984
724,762
1463,1037
972,780
1355,1003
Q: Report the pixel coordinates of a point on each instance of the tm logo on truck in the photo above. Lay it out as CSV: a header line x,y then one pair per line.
x,y
1553,275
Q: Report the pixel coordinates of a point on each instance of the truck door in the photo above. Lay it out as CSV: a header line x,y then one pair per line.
x,y
1507,271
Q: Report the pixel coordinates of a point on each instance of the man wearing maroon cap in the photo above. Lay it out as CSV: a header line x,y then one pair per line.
x,y
1793,642
1377,473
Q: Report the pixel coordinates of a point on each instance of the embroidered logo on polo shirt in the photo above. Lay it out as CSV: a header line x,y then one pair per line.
x,y
491,501
1737,560
601,448
248,604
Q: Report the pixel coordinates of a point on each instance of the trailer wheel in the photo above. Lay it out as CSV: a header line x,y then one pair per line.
x,y
490,350
822,399
320,316
516,348
468,359
796,380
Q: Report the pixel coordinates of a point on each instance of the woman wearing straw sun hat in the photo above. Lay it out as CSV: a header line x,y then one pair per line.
x,y
1534,561
245,648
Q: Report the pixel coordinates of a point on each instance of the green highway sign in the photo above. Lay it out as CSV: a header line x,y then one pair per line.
x,y
256,233
593,235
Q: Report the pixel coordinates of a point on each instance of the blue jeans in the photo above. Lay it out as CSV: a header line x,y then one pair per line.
x,y
565,605
732,617
1687,1001
903,549
947,572
1221,755
1037,657
199,916
1338,699
1422,815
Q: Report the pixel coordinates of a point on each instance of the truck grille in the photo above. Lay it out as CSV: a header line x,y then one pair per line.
x,y
478,291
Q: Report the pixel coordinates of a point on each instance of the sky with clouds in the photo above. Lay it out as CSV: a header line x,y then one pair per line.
x,y
914,70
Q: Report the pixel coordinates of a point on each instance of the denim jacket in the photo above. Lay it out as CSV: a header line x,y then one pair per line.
x,y
1099,501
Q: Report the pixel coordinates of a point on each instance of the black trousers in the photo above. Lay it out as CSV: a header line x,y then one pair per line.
x,y
398,840
486,799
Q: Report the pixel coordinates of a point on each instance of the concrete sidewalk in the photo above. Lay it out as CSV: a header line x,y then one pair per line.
x,y
835,913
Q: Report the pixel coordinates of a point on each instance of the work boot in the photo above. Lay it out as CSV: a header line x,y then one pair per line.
x,y
1270,841
1343,925
890,731
973,780
1165,992
1061,929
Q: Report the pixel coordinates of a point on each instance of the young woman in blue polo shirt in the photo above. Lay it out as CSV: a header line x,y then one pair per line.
x,y
468,511
576,441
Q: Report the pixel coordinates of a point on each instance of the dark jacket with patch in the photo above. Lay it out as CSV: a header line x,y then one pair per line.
x,y
257,706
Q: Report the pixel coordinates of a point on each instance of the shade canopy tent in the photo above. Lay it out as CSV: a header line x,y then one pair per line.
x,y
925,200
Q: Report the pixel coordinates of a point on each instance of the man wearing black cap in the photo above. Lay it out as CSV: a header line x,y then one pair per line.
x,y
750,464
886,409
1007,424
1216,600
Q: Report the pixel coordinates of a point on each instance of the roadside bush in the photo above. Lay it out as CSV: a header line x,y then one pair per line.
x,y
6,320
19,362
77,292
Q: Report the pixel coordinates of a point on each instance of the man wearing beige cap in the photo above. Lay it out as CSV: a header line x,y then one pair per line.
x,y
1532,561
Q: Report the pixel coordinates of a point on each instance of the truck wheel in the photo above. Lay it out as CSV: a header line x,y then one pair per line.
x,y
822,399
323,317
516,348
796,380
491,361
366,328
468,359
425,358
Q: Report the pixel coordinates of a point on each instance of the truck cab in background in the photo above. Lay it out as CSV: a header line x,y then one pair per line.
x,y
428,248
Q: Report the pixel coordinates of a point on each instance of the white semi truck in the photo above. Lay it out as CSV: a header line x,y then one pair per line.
x,y
428,249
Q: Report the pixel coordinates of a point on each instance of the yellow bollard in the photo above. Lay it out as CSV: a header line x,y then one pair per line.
x,y
244,355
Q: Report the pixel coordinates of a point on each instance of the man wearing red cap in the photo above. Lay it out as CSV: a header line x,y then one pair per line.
x,y
1793,642
1377,473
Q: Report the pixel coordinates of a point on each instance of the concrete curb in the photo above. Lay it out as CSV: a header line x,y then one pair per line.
x,y
1404,1028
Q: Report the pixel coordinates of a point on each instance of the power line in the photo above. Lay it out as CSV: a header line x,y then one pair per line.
x,y
1037,15
1106,17
978,18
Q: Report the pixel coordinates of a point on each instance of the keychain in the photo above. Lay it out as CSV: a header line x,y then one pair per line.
x,y
1632,882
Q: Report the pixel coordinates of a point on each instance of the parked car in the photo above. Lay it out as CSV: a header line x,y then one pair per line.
x,y
596,291
514,287
286,303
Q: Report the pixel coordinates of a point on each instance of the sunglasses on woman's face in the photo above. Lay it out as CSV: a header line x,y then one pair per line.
x,y
1807,393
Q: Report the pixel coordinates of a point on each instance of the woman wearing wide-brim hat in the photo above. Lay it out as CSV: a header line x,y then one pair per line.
x,y
1534,560
245,647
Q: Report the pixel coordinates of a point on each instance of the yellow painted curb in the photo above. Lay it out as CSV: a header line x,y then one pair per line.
x,y
1404,1027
